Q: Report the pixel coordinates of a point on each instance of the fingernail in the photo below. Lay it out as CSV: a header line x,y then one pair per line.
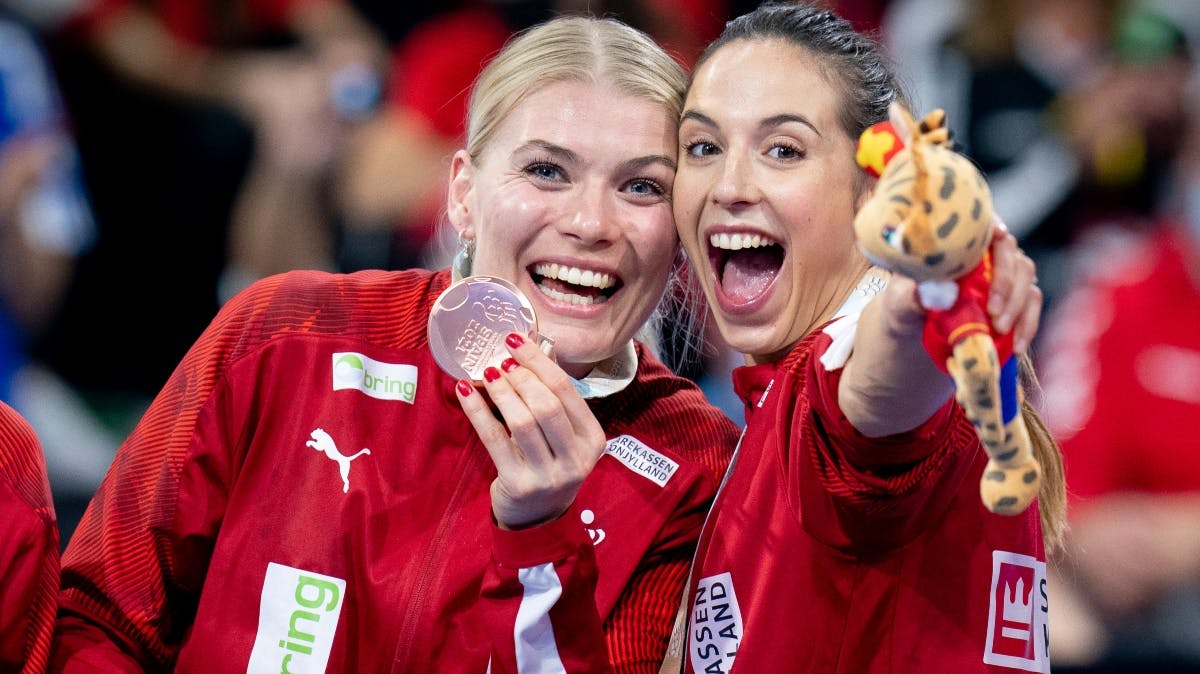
x,y
508,365
465,388
491,374
514,340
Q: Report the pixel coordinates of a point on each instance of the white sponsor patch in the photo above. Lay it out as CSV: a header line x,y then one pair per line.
x,y
716,625
386,381
641,459
297,618
1018,633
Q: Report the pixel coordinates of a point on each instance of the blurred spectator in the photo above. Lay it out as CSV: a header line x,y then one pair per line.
x,y
998,67
45,225
1069,107
206,131
1121,370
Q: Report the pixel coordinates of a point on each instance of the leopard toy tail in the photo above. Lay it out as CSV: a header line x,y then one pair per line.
x,y
990,396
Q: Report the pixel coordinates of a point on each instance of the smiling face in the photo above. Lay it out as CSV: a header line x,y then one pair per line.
x,y
570,200
766,193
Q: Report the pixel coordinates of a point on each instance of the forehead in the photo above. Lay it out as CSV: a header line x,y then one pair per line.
x,y
589,117
760,78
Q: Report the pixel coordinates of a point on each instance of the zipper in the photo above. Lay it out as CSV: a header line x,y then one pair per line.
x,y
434,557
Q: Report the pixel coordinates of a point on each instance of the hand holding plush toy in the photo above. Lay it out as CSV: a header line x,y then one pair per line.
x,y
930,218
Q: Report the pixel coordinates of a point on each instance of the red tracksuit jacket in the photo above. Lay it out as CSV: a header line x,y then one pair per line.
x,y
28,549
830,553
306,495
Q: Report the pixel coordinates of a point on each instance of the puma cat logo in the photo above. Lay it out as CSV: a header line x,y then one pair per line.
x,y
323,442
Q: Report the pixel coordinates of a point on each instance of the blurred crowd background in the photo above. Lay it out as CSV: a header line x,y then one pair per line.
x,y
181,149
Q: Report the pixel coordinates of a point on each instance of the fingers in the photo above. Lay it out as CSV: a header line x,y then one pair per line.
x,y
1015,300
545,417
490,430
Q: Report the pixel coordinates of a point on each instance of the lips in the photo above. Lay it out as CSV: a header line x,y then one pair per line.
x,y
745,266
574,285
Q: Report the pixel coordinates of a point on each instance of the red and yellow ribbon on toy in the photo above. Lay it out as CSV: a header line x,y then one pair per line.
x,y
876,147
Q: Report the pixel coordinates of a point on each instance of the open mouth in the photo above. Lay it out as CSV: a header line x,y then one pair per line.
x,y
574,285
745,264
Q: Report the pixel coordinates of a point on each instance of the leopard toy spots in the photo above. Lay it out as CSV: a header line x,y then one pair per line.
x,y
930,218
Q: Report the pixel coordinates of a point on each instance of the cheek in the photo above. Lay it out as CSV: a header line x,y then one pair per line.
x,y
656,240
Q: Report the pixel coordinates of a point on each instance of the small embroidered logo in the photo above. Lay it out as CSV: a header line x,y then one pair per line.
x,y
597,535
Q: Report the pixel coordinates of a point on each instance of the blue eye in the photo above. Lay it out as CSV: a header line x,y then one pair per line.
x,y
646,187
545,171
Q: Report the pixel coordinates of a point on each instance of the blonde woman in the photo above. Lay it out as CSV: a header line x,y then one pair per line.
x,y
280,509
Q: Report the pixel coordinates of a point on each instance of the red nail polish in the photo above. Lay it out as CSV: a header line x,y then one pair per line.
x,y
514,340
508,365
491,374
464,388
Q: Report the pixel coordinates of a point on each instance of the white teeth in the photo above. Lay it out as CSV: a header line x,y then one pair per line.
x,y
570,298
725,241
575,275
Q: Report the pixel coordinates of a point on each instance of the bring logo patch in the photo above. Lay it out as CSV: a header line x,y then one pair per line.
x,y
1018,632
297,619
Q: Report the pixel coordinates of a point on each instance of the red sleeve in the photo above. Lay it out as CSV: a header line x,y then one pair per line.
x,y
539,594
634,588
133,568
870,494
639,627
546,577
435,66
29,561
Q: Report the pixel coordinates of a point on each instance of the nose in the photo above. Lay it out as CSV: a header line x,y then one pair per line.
x,y
735,183
593,221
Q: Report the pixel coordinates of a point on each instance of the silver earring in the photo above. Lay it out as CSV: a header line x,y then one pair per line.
x,y
461,266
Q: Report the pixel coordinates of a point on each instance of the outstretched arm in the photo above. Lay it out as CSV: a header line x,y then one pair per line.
x,y
890,384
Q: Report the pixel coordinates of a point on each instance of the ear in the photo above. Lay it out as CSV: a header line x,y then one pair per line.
x,y
459,206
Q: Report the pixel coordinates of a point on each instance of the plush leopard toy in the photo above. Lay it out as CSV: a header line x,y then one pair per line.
x,y
930,218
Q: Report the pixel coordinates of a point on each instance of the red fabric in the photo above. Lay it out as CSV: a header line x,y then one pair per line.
x,y
968,316
1121,368
29,564
850,555
434,67
221,479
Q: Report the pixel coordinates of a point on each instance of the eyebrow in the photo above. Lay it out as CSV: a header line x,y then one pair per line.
x,y
556,150
639,163
569,156
773,120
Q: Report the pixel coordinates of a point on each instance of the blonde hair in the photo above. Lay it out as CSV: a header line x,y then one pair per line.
x,y
572,49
